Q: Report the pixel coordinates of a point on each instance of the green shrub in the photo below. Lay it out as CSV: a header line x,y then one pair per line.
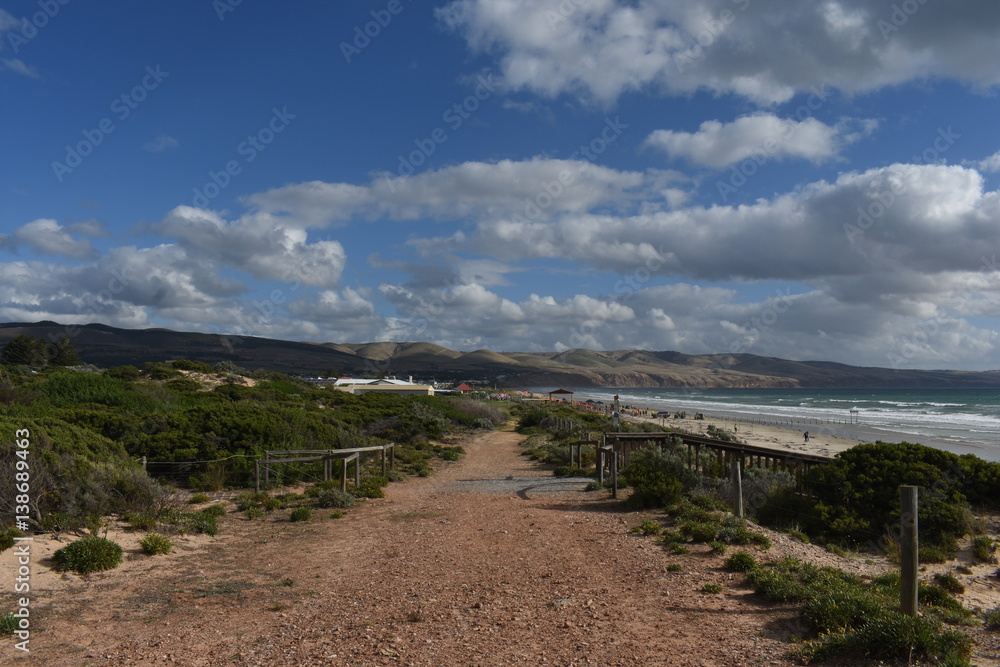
x,y
154,543
370,487
933,554
198,498
140,520
9,624
777,586
204,522
215,510
949,582
337,514
246,500
712,588
91,554
271,504
647,527
255,512
7,538
718,547
301,514
700,532
992,618
983,547
657,478
670,537
675,567
741,561
593,486
680,550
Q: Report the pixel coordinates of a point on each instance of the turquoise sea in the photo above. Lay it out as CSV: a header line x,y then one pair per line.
x,y
959,420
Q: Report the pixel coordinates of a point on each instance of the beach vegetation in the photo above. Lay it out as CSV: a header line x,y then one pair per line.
x,y
89,429
91,554
155,543
847,617
854,499
301,514
984,548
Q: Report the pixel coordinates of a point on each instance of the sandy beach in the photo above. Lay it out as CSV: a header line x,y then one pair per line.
x,y
762,435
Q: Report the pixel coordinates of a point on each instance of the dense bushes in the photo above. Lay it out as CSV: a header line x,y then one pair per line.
x,y
658,477
855,498
850,617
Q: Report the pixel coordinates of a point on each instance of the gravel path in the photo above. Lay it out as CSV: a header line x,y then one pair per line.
x,y
490,561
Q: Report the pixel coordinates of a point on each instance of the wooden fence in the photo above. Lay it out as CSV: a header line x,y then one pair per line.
x,y
327,457
616,449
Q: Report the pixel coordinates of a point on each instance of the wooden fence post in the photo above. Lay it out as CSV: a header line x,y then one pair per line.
x,y
909,551
737,489
614,475
256,476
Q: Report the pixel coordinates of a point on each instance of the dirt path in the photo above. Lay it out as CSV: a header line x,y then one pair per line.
x,y
488,562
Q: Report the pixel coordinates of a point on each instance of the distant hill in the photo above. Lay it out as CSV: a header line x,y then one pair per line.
x,y
107,347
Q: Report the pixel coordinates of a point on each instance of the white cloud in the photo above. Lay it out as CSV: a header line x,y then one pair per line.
x,y
991,164
47,236
160,144
537,187
761,50
259,243
719,145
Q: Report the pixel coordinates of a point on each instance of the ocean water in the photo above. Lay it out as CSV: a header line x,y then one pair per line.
x,y
959,420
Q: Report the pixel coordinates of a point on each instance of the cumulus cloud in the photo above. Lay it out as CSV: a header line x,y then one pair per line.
x,y
47,236
763,51
259,243
719,145
990,165
538,186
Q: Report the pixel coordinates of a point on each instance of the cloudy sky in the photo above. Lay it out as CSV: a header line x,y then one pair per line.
x,y
814,180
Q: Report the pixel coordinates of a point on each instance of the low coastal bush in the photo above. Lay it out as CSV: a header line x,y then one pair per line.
x,y
154,543
301,514
7,538
657,478
850,617
984,548
217,510
854,496
371,487
91,554
992,618
9,624
203,522
198,498
335,498
741,561
647,527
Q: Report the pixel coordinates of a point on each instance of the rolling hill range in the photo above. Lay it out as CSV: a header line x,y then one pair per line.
x,y
107,346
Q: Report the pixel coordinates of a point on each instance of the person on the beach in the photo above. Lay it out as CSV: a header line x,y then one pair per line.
x,y
806,436
736,428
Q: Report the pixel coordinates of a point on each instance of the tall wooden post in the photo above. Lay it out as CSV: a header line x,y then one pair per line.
x,y
737,489
909,551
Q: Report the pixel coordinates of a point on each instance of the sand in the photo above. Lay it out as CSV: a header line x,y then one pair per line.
x,y
763,435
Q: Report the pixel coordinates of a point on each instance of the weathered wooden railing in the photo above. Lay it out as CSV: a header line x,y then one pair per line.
x,y
616,451
327,457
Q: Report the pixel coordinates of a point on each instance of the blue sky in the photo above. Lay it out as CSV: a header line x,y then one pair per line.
x,y
703,176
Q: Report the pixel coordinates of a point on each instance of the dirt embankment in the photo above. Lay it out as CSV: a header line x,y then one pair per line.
x,y
489,562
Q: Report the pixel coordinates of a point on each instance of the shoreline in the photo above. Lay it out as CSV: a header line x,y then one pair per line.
x,y
762,435
827,439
